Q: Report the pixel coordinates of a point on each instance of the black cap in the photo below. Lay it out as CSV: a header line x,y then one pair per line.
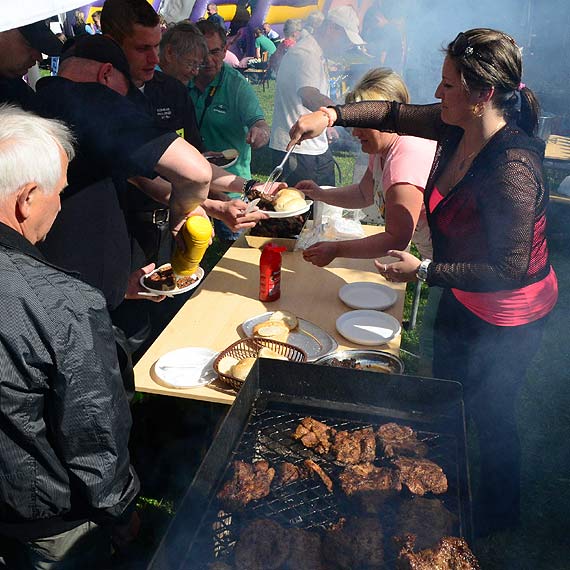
x,y
40,37
98,48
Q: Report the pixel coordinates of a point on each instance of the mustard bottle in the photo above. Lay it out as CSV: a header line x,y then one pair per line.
x,y
196,232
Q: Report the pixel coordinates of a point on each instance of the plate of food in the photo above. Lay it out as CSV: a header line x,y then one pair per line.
x,y
223,159
284,326
163,281
286,203
369,360
369,328
367,295
189,367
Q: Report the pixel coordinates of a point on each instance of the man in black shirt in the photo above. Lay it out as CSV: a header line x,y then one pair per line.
x,y
20,49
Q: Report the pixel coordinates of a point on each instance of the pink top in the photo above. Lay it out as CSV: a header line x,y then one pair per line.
x,y
408,161
509,308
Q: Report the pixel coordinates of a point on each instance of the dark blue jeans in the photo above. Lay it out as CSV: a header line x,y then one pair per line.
x,y
319,167
491,364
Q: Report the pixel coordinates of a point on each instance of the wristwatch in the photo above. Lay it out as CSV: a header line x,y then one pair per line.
x,y
422,271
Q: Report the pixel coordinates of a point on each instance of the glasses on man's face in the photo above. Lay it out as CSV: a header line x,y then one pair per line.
x,y
194,65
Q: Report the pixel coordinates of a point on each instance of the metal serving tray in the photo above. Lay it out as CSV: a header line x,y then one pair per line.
x,y
275,397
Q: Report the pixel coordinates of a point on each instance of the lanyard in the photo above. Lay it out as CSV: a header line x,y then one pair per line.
x,y
211,92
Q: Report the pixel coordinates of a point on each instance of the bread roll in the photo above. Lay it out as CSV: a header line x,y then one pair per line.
x,y
275,330
292,192
226,364
230,153
288,204
268,353
287,318
243,367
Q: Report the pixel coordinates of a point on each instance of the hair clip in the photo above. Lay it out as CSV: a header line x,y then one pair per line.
x,y
468,51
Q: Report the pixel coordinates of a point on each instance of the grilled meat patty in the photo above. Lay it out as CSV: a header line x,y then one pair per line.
x,y
366,477
395,439
287,473
250,481
421,476
315,435
354,447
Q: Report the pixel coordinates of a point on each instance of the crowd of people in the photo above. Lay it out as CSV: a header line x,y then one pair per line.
x,y
122,129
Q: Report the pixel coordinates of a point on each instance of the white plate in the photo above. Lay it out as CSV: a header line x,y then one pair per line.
x,y
208,155
189,367
312,339
366,327
305,208
366,295
175,291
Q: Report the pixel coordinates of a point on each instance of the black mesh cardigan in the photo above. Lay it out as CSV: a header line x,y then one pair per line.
x,y
489,232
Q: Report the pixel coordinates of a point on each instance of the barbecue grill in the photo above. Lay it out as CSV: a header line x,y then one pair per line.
x,y
269,406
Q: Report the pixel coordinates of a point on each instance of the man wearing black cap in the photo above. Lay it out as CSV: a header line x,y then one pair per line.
x,y
20,49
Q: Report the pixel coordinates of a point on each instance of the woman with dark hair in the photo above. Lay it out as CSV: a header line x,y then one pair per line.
x,y
486,205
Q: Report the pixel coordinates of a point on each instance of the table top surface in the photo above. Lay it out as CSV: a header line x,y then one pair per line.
x,y
228,296
557,148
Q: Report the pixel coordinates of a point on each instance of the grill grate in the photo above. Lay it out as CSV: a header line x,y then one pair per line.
x,y
306,503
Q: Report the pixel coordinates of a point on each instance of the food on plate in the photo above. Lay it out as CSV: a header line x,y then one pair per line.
x,y
164,279
318,470
275,330
230,153
367,478
222,158
356,365
250,481
395,439
358,446
289,200
287,472
266,352
315,435
243,367
285,317
421,476
427,519
359,543
226,364
263,545
279,227
450,553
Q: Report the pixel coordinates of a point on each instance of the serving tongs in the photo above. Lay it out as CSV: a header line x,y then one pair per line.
x,y
276,172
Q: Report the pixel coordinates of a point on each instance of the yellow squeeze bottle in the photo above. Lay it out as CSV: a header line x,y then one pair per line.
x,y
196,232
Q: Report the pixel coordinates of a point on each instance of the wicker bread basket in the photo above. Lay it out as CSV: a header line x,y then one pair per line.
x,y
249,347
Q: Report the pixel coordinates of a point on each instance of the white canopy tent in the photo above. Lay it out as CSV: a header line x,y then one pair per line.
x,y
17,13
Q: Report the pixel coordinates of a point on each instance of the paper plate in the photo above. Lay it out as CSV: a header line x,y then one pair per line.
x,y
189,367
305,208
366,295
210,155
369,328
175,291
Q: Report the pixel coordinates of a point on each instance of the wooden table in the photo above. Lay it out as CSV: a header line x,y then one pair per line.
x,y
229,295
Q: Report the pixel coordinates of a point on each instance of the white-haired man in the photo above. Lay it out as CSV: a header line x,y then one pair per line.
x,y
66,474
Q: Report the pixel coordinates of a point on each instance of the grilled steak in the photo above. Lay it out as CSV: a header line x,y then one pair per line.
x,y
395,439
287,473
450,553
357,545
315,435
266,201
427,519
263,545
355,447
369,478
314,468
421,476
250,481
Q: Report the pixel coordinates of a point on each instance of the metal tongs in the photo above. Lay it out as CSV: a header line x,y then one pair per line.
x,y
276,172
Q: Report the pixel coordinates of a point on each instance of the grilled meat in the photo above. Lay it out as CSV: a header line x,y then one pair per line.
x,y
313,467
450,553
395,439
357,545
366,477
287,473
427,519
421,476
250,481
355,447
266,201
304,550
315,435
263,545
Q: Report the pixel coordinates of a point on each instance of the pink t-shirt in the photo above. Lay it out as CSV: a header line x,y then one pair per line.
x,y
509,308
408,161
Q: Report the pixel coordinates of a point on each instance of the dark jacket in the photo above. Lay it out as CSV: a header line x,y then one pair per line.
x,y
64,417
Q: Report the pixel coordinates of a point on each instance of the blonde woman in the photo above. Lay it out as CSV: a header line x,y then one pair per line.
x,y
397,172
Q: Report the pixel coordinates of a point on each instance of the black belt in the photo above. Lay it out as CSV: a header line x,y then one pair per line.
x,y
157,217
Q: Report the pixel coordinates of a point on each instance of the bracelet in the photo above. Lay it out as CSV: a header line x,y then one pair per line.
x,y
325,112
247,186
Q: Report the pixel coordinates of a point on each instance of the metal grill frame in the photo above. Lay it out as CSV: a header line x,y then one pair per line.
x,y
270,404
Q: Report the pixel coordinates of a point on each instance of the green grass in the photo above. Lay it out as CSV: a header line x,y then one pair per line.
x,y
543,416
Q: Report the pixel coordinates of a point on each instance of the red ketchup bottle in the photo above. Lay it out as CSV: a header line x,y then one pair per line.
x,y
270,272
